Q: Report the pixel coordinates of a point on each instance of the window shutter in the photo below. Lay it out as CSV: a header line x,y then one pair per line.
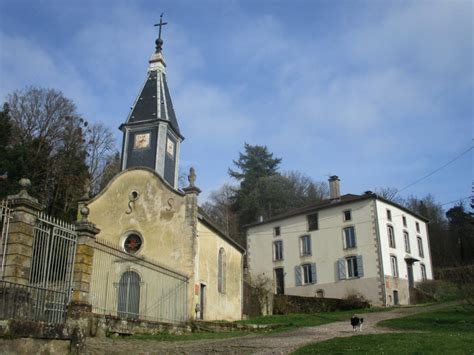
x,y
281,250
309,245
360,267
341,267
298,275
313,273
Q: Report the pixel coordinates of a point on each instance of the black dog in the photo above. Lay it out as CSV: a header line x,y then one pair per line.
x,y
357,322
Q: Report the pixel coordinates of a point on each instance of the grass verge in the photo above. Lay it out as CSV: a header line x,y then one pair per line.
x,y
444,331
287,322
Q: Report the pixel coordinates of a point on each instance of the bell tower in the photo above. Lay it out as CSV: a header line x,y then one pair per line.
x,y
151,135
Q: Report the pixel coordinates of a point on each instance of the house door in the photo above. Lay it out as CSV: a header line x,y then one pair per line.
x,y
202,300
411,282
395,298
129,295
280,281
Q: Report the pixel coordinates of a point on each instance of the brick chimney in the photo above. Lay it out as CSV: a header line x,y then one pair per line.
x,y
334,188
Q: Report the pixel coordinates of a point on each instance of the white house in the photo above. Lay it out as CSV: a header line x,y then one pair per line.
x,y
346,245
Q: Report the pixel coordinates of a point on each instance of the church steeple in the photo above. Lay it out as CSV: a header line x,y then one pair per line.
x,y
151,132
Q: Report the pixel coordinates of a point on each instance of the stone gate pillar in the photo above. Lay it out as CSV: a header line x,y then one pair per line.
x,y
80,308
19,245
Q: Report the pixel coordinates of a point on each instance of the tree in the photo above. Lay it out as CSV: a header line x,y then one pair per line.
x,y
461,228
219,209
48,143
112,168
441,245
389,193
256,163
100,151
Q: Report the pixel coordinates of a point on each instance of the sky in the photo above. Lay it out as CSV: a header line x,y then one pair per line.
x,y
379,93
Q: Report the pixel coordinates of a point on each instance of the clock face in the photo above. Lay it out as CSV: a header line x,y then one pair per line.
x,y
142,141
170,147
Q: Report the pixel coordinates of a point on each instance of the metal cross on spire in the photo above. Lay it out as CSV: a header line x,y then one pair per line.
x,y
159,41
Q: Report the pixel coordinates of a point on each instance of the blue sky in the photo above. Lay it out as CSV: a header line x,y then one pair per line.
x,y
377,92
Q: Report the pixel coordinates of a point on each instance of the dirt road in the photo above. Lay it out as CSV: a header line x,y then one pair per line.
x,y
280,343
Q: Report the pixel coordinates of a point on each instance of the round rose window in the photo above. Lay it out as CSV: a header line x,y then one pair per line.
x,y
132,243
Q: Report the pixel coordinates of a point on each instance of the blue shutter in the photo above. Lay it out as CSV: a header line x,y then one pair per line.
x,y
298,275
341,268
313,273
360,267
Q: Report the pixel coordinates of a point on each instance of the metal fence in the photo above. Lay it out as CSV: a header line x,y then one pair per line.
x,y
30,303
5,216
133,287
52,263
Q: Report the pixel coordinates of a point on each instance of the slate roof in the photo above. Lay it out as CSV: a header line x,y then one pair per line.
x,y
154,102
328,203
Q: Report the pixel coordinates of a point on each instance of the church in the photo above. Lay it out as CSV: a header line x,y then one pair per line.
x,y
158,256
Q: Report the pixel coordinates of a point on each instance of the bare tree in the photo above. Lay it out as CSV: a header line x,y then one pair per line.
x,y
100,146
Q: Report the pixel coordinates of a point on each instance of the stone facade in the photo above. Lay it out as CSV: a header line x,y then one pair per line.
x,y
173,235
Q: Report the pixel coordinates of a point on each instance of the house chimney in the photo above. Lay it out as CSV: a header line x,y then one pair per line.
x,y
334,188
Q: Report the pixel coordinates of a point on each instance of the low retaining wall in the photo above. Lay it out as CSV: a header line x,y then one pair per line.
x,y
106,325
285,304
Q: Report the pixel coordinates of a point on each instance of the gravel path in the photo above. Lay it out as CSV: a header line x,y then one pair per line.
x,y
280,343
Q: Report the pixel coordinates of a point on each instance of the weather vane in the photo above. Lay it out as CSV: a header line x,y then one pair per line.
x,y
159,41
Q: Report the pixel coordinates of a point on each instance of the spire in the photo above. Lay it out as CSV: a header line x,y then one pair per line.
x,y
157,61
151,133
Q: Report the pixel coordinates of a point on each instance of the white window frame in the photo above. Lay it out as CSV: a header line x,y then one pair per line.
x,y
307,273
344,217
423,272
305,245
352,236
277,250
406,237
391,236
352,270
394,265
421,252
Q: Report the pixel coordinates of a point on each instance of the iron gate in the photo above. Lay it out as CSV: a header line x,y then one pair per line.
x,y
52,263
5,216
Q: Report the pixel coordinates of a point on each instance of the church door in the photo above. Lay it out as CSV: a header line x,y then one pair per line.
x,y
129,295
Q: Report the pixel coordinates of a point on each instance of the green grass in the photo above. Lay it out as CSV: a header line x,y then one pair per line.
x,y
189,336
310,320
453,319
287,322
444,331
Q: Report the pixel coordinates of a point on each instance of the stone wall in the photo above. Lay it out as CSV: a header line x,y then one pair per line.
x,y
285,304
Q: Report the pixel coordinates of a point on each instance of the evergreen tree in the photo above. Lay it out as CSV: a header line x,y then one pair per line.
x,y
461,227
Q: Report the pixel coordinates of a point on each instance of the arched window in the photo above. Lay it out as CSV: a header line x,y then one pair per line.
x,y
221,271
129,295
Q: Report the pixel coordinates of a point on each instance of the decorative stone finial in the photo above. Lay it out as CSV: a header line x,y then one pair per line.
x,y
84,213
192,177
25,184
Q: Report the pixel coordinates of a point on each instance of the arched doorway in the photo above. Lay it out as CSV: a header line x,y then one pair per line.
x,y
129,295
